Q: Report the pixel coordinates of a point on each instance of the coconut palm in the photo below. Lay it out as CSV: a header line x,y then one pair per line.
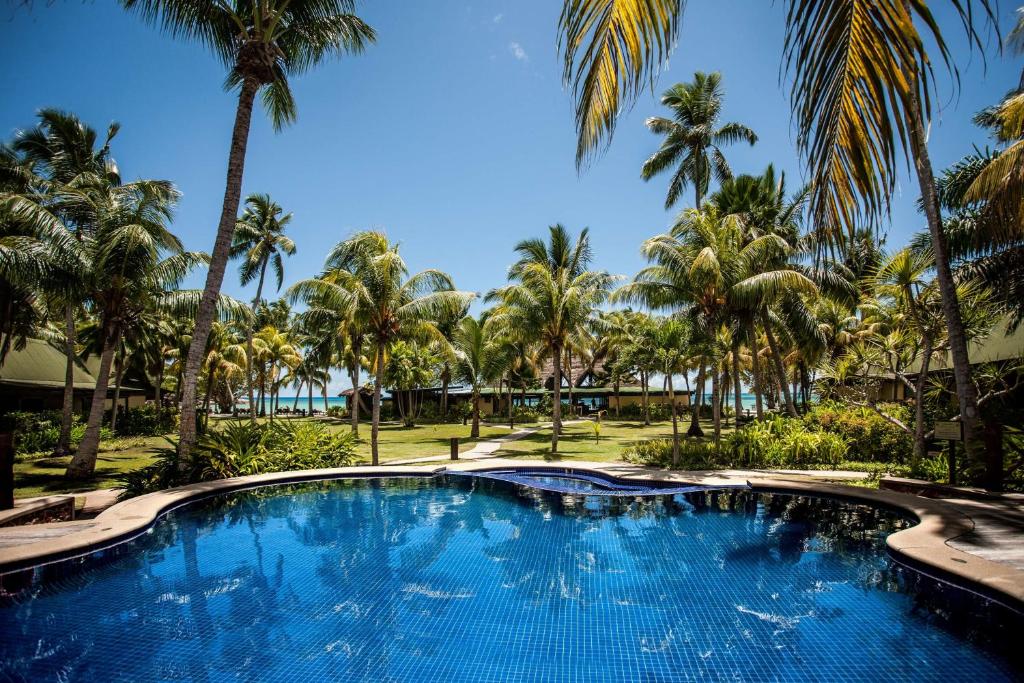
x,y
552,297
366,277
481,357
671,339
862,94
260,242
129,264
263,43
693,138
64,151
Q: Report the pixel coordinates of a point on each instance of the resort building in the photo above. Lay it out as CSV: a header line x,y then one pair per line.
x,y
32,379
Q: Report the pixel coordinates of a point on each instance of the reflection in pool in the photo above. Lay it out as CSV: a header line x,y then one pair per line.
x,y
468,579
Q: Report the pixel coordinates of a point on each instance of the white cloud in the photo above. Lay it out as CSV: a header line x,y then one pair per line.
x,y
498,17
518,52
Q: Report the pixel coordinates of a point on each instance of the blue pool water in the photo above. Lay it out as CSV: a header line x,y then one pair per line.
x,y
465,579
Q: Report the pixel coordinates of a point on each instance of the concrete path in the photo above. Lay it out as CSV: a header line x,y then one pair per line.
x,y
482,449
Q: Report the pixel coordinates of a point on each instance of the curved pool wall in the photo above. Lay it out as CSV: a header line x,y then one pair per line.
x,y
476,578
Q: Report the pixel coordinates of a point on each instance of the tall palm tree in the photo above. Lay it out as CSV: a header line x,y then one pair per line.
x,y
64,151
693,138
263,43
553,295
862,90
481,357
261,243
671,342
127,252
365,276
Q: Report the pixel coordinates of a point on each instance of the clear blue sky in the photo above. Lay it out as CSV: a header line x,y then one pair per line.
x,y
453,133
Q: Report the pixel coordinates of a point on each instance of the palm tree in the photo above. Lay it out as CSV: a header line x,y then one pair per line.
x,y
260,241
671,341
366,277
861,95
126,252
280,356
62,151
263,43
551,298
481,357
693,138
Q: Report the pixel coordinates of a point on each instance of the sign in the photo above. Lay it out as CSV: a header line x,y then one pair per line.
x,y
949,431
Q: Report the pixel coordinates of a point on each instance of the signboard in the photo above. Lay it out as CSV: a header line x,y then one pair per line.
x,y
949,431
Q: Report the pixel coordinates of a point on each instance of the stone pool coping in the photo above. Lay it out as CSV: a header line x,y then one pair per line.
x,y
922,546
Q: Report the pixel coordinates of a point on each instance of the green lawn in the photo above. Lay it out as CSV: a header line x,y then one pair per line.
x,y
45,476
577,441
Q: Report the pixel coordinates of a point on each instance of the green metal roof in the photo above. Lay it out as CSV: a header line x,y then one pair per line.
x,y
40,364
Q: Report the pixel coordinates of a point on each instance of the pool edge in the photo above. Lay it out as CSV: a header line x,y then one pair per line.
x,y
924,546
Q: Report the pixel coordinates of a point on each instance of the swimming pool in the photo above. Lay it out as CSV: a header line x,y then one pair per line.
x,y
468,578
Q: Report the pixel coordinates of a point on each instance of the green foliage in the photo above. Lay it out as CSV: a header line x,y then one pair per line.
x,y
784,442
337,412
243,448
870,437
693,454
147,420
521,415
658,412
36,433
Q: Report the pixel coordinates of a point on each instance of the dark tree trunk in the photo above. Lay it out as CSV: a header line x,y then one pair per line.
x,y
445,379
737,386
780,368
695,429
920,444
83,464
118,376
675,423
716,405
755,369
68,402
215,275
474,430
643,389
248,344
378,381
966,392
556,409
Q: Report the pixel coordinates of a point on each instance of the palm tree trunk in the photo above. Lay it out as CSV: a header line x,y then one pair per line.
x,y
618,400
966,392
568,378
298,394
248,343
445,379
474,431
737,386
324,388
309,396
695,429
215,274
716,406
378,381
68,404
556,408
118,375
780,368
920,444
643,389
675,422
755,369
511,414
353,407
83,464
206,398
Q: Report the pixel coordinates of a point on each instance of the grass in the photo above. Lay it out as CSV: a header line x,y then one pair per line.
x,y
577,441
45,475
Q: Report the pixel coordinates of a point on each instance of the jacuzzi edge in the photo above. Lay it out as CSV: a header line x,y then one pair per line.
x,y
922,546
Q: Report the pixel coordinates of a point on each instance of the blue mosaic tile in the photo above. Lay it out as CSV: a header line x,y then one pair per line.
x,y
471,579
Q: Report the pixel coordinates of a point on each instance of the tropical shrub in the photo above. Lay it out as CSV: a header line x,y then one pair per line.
x,y
147,420
693,454
658,412
520,414
36,433
869,436
337,411
784,442
242,448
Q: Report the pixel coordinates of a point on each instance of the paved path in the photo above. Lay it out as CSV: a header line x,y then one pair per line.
x,y
998,528
482,449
